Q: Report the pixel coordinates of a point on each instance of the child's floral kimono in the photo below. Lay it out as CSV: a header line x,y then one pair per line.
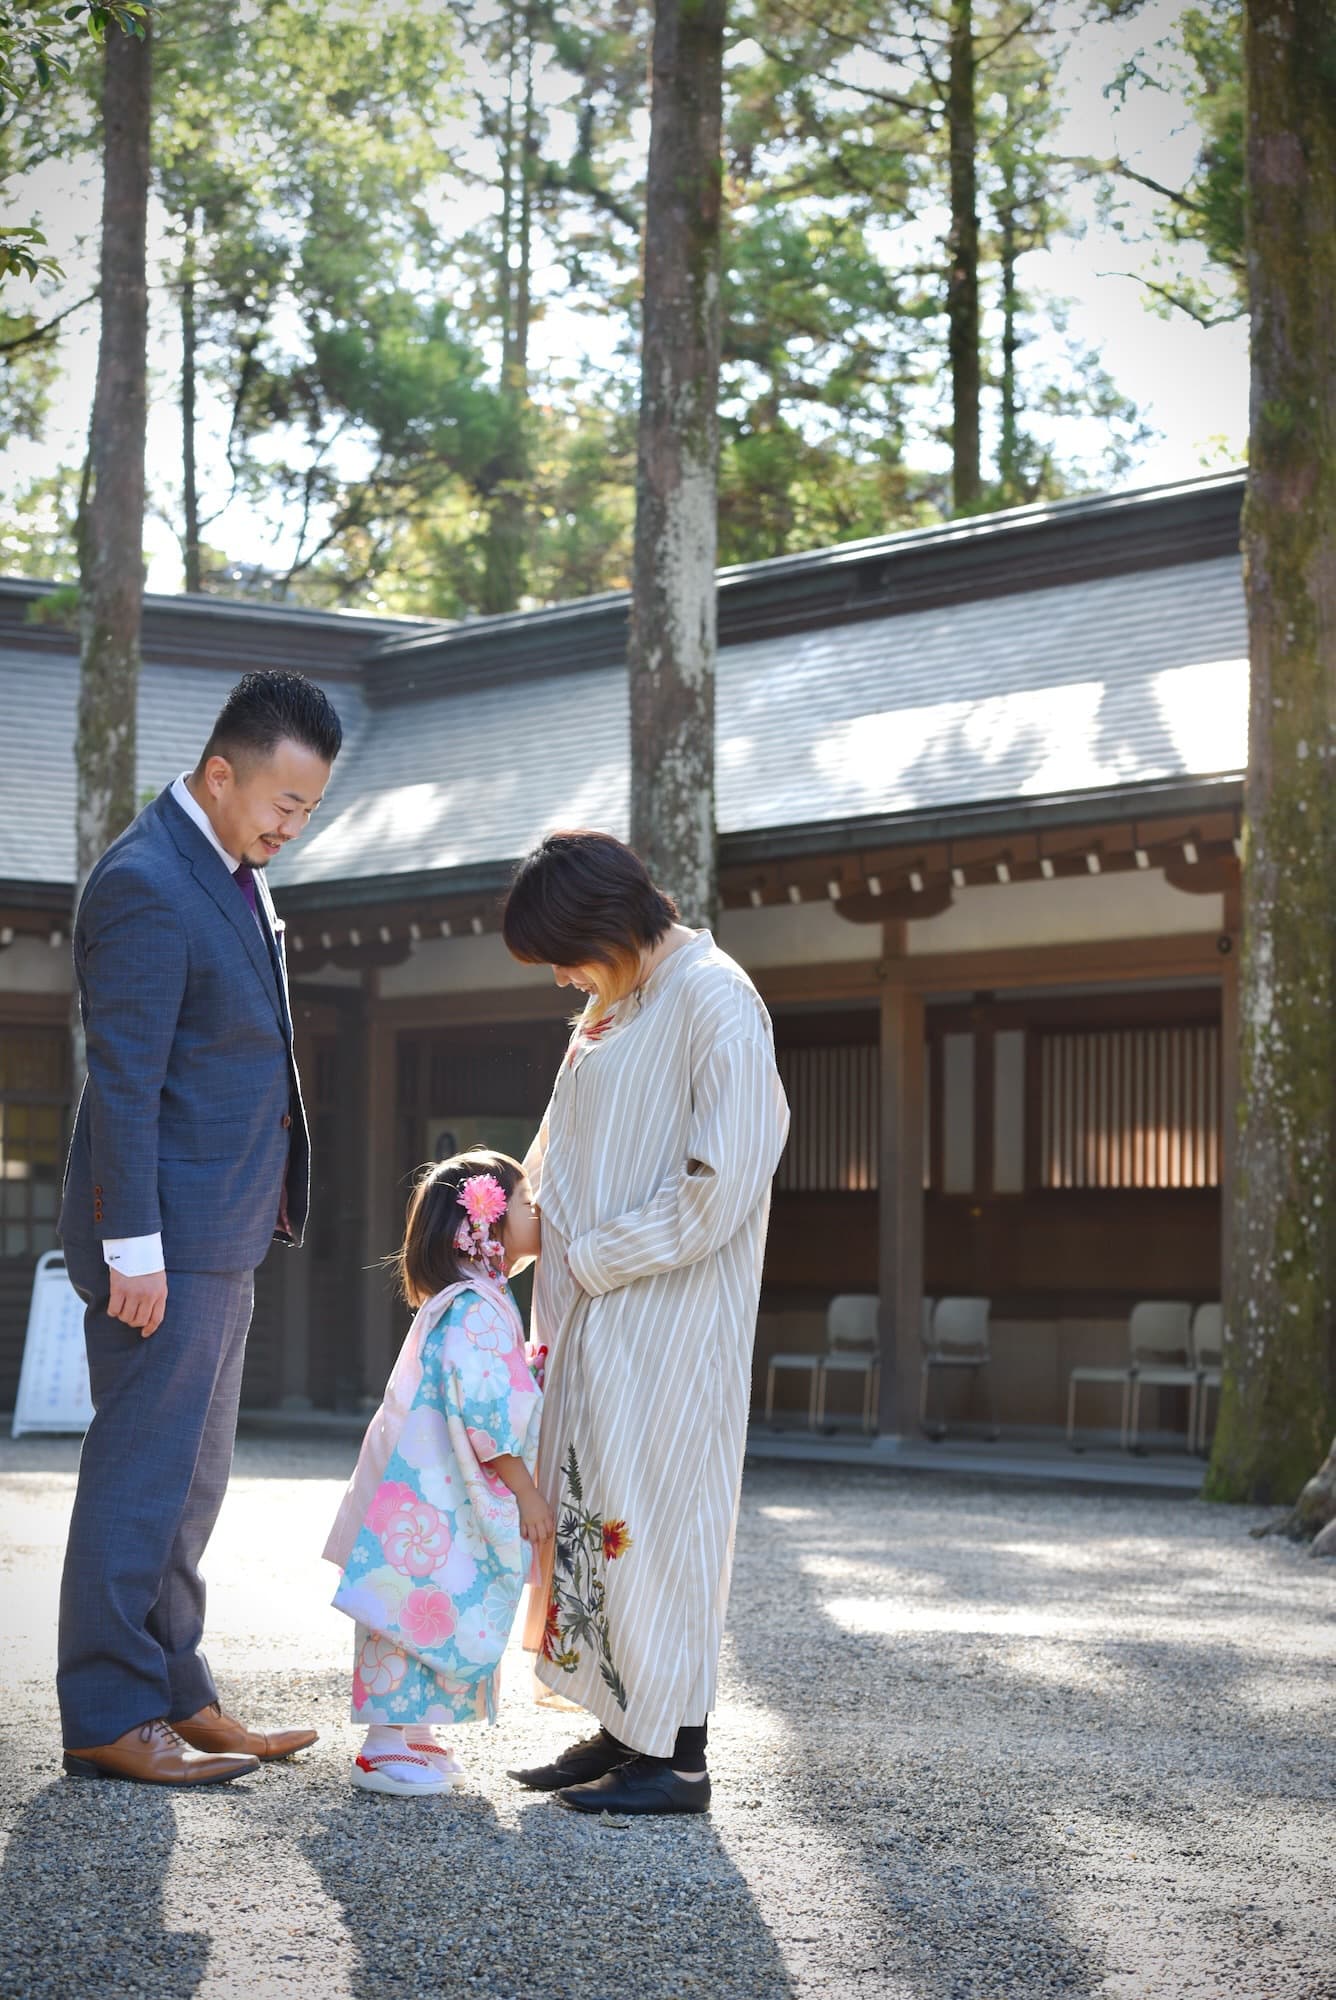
x,y
426,1537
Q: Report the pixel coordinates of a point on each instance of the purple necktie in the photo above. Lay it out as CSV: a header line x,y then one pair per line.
x,y
244,877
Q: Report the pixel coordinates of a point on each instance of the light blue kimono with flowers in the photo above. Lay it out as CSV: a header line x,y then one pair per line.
x,y
436,1567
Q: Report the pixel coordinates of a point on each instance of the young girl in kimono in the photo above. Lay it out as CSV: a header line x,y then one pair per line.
x,y
437,1531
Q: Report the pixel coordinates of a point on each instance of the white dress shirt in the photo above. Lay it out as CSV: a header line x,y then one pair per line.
x,y
141,1256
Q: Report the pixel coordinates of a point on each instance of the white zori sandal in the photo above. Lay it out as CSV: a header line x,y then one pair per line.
x,y
418,1771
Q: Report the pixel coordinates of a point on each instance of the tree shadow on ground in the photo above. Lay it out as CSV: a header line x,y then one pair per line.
x,y
442,1898
956,1766
81,1896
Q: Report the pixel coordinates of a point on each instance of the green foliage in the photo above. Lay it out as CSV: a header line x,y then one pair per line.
x,y
37,529
58,607
371,212
20,255
1197,67
834,313
37,46
35,38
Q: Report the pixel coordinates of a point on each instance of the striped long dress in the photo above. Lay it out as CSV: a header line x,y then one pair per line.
x,y
652,1171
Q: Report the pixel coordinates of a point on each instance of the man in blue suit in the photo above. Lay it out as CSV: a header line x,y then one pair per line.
x,y
190,1154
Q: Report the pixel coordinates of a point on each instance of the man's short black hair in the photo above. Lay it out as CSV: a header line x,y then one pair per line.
x,y
266,709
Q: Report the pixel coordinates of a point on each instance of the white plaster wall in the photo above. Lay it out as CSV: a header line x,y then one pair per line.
x,y
1067,911
796,934
31,965
458,965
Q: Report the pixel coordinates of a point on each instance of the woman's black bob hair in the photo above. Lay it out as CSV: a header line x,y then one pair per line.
x,y
586,899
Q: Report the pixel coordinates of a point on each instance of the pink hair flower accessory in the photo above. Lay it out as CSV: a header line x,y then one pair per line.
x,y
483,1200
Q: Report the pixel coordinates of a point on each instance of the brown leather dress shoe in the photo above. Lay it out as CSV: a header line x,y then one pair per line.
x,y
153,1754
212,1730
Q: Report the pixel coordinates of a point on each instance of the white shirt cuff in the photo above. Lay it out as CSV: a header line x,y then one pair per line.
x,y
134,1256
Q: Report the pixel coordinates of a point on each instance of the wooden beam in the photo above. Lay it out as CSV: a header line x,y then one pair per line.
x,y
379,1200
858,979
1124,961
470,1009
34,1010
294,1333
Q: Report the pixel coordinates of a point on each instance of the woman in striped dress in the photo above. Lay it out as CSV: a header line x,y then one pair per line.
x,y
652,1174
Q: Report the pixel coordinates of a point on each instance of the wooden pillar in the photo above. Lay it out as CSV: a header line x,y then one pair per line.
x,y
1229,1103
294,1351
381,1211
900,1206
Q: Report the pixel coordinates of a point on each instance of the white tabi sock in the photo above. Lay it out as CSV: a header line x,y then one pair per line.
x,y
417,1757
415,1765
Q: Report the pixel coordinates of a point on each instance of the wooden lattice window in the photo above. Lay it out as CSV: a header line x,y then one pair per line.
x,y
834,1134
34,1065
1130,1108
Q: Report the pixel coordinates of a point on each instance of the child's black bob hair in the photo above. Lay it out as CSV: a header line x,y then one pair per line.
x,y
427,1261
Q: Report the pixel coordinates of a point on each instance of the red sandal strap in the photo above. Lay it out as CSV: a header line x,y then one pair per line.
x,y
390,1757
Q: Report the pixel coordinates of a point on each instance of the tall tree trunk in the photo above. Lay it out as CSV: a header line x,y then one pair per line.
x,y
962,250
673,625
1009,440
111,528
189,378
505,565
1278,1407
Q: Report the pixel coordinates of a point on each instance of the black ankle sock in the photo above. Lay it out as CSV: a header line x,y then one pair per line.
x,y
689,1749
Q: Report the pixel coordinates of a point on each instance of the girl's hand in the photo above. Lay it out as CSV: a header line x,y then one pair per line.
x,y
537,1524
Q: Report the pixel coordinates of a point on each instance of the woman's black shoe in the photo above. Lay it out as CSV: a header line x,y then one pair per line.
x,y
643,1785
576,1765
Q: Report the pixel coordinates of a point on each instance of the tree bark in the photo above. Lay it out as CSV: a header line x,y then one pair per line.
x,y
1278,1404
1313,1515
673,623
1008,449
111,512
189,379
504,567
962,251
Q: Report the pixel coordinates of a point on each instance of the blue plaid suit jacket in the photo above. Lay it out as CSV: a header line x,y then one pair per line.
x,y
192,1112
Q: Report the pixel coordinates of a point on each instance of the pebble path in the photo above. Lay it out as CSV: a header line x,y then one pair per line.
x,y
973,1744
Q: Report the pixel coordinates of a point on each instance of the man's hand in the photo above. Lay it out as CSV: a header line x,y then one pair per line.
x,y
139,1302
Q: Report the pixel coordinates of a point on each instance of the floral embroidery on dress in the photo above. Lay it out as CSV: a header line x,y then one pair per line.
x,y
576,1612
583,1037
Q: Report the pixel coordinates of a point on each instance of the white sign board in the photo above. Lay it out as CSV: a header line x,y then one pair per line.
x,y
53,1384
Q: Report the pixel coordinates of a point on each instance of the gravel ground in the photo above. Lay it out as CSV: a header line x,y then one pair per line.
x,y
972,1742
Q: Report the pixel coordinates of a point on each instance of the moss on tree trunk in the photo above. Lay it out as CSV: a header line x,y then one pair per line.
x,y
111,538
673,627
1278,1406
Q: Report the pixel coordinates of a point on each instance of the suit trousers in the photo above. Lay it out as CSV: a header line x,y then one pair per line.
x,y
152,1476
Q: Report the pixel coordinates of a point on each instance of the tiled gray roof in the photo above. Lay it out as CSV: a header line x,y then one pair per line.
x,y
1115,681
38,707
1121,680
1118,681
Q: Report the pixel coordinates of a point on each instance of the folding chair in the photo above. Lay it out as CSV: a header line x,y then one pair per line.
x,y
955,1335
1153,1328
853,1347
1158,1337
